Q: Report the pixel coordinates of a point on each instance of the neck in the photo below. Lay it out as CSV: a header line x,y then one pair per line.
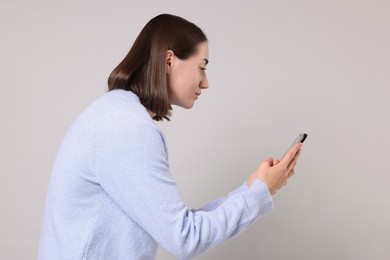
x,y
152,114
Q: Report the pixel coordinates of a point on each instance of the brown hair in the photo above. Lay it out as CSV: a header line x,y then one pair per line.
x,y
143,70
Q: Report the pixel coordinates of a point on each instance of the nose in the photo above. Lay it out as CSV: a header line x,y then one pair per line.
x,y
204,83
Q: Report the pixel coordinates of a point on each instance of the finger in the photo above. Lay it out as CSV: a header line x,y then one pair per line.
x,y
291,173
294,158
276,162
290,155
269,161
294,161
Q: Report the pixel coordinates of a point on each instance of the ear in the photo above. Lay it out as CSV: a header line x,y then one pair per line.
x,y
169,60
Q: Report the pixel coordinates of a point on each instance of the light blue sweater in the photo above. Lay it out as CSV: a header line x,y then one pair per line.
x,y
111,195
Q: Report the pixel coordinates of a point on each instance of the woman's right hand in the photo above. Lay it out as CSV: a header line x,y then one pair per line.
x,y
276,173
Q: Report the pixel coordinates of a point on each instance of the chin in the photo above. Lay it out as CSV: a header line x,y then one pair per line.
x,y
186,106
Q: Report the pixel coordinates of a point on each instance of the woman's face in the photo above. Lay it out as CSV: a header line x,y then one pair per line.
x,y
187,78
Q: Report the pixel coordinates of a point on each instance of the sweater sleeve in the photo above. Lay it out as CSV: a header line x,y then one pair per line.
x,y
214,204
132,167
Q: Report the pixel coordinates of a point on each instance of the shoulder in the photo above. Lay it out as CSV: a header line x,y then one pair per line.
x,y
124,127
121,107
122,103
120,112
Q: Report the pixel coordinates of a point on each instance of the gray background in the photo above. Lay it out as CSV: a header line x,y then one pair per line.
x,y
277,68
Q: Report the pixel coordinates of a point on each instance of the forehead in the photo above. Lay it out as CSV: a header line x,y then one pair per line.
x,y
203,51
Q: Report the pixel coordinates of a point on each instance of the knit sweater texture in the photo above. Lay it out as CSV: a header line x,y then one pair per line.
x,y
111,195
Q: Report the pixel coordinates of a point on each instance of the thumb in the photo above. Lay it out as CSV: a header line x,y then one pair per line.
x,y
269,161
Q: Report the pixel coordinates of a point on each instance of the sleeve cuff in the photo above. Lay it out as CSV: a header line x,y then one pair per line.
x,y
260,197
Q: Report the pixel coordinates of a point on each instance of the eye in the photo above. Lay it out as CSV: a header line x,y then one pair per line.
x,y
201,68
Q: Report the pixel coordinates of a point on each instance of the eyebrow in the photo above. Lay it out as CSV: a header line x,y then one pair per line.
x,y
206,61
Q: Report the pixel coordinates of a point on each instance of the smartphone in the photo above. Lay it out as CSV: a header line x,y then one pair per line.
x,y
300,139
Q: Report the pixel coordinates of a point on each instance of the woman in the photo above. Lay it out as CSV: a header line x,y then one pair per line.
x,y
111,195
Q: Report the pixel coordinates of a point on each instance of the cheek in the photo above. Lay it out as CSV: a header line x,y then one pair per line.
x,y
187,80
178,84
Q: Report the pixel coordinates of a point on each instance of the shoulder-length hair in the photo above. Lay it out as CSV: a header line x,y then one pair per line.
x,y
143,70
